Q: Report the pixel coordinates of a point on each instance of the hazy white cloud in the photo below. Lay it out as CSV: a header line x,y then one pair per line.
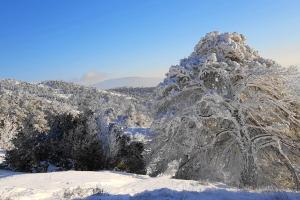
x,y
90,78
93,76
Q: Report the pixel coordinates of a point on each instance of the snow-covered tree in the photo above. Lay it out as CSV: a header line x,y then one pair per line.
x,y
227,114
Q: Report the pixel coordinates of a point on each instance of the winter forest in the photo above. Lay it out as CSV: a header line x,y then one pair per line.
x,y
224,120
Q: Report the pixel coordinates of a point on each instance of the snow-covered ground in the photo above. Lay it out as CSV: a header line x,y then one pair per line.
x,y
2,154
71,184
142,134
117,185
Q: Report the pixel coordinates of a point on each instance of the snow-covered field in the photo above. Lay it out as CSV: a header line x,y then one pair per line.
x,y
116,185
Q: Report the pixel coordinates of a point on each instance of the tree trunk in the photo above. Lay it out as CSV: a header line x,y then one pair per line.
x,y
249,171
290,167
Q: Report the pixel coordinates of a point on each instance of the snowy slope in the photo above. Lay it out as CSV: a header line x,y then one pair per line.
x,y
62,185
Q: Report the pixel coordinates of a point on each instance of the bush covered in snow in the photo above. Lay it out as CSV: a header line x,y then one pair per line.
x,y
72,142
129,156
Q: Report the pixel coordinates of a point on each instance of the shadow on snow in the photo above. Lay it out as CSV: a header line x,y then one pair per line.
x,y
215,194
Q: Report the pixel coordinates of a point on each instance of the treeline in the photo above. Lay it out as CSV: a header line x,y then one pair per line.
x,y
21,102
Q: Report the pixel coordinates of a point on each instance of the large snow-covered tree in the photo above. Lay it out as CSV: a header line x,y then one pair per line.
x,y
227,114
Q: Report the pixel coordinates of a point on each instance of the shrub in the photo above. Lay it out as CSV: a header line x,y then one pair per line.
x,y
29,152
129,157
76,145
70,144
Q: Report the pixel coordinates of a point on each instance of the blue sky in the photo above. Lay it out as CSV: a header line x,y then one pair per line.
x,y
73,39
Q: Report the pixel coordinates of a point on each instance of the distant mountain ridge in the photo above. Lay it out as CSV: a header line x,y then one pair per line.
x,y
133,81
